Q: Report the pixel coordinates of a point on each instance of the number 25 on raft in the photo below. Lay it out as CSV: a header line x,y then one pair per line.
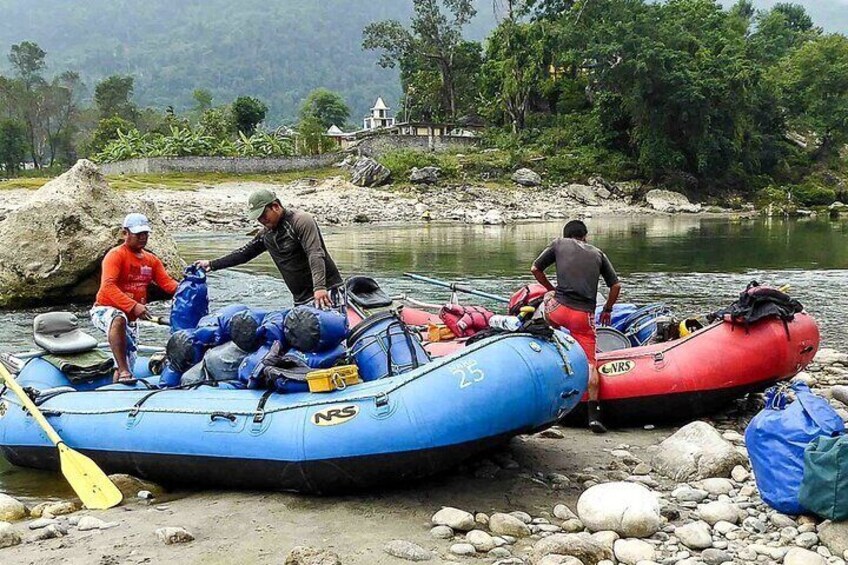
x,y
468,374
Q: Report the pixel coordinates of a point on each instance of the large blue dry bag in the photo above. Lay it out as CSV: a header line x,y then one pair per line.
x,y
191,301
311,329
382,346
776,439
319,359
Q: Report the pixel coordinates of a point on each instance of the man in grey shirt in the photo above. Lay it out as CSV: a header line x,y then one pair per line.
x,y
296,246
571,304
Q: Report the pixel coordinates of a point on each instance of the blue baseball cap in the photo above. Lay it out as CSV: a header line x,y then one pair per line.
x,y
137,223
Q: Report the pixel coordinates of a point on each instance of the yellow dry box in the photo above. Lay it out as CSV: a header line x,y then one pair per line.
x,y
334,378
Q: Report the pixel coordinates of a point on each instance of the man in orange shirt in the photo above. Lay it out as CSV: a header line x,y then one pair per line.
x,y
122,299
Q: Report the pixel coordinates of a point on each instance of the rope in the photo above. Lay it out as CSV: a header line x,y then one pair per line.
x,y
415,375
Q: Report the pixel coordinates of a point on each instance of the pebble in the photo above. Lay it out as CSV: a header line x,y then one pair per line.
x,y
173,535
753,525
715,556
8,535
552,433
11,509
800,556
782,520
807,540
441,532
642,469
723,527
499,553
572,526
454,518
508,525
50,532
87,523
740,474
523,516
563,512
632,551
403,549
41,523
463,549
688,494
716,486
482,519
481,540
714,512
695,535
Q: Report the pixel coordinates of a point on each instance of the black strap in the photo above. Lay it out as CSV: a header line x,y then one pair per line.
x,y
260,408
142,400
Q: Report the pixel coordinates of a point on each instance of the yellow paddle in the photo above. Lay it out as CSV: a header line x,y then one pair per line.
x,y
90,483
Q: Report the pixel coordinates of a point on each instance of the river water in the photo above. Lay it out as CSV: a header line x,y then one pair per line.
x,y
696,265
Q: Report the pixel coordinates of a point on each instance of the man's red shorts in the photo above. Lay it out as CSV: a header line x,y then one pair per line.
x,y
580,324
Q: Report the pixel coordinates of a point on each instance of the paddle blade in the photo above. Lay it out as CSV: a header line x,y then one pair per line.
x,y
90,483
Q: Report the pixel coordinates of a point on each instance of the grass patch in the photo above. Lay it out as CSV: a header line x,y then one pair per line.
x,y
182,181
30,183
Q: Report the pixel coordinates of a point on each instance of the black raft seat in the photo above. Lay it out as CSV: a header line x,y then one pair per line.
x,y
366,293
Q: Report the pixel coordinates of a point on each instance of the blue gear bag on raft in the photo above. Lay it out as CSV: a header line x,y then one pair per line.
x,y
776,439
191,300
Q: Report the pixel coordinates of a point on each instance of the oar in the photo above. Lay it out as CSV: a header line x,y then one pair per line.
x,y
90,483
457,287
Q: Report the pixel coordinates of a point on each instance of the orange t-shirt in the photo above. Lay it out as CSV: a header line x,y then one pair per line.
x,y
126,277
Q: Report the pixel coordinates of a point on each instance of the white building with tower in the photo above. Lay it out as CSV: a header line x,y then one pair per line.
x,y
379,117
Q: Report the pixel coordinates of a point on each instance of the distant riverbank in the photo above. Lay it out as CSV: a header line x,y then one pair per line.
x,y
217,205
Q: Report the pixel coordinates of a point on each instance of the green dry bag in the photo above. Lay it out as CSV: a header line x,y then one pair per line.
x,y
824,489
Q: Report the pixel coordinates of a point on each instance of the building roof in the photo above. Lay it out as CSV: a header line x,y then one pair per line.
x,y
379,104
334,130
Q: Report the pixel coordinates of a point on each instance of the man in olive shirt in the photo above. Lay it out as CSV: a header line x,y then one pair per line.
x,y
571,304
293,240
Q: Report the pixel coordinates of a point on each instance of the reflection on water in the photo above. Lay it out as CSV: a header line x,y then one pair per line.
x,y
695,265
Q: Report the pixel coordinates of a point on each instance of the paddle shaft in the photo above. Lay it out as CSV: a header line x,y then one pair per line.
x,y
457,287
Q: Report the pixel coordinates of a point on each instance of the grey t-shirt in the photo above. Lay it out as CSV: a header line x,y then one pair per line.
x,y
579,266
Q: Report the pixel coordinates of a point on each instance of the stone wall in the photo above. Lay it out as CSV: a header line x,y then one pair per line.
x,y
219,164
372,146
376,145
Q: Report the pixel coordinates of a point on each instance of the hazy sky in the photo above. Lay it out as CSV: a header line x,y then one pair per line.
x,y
832,15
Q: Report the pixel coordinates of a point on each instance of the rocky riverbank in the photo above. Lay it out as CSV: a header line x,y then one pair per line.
x,y
337,201
565,496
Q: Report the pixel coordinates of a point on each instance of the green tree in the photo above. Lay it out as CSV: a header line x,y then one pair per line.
x,y
327,106
13,148
311,138
514,68
814,87
27,60
202,100
781,30
107,130
218,123
433,35
113,96
248,113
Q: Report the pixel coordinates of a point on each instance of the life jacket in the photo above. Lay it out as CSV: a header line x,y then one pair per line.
x,y
528,295
758,302
465,321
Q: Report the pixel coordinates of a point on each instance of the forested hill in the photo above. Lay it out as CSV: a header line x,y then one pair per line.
x,y
276,50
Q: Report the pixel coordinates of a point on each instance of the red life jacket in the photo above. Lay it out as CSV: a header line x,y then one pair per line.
x,y
465,321
528,295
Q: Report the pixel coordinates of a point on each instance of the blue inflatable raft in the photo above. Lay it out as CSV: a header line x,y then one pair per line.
x,y
389,430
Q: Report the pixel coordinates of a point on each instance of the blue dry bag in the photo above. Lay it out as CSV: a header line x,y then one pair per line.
x,y
776,439
191,301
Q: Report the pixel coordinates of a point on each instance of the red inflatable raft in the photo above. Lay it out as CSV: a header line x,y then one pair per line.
x,y
702,372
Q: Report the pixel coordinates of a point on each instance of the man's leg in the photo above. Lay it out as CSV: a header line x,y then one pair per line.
x,y
117,337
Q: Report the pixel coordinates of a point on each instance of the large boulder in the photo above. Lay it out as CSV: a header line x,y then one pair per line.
x,y
52,245
696,451
668,201
629,509
11,509
368,172
425,175
834,535
584,194
527,177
